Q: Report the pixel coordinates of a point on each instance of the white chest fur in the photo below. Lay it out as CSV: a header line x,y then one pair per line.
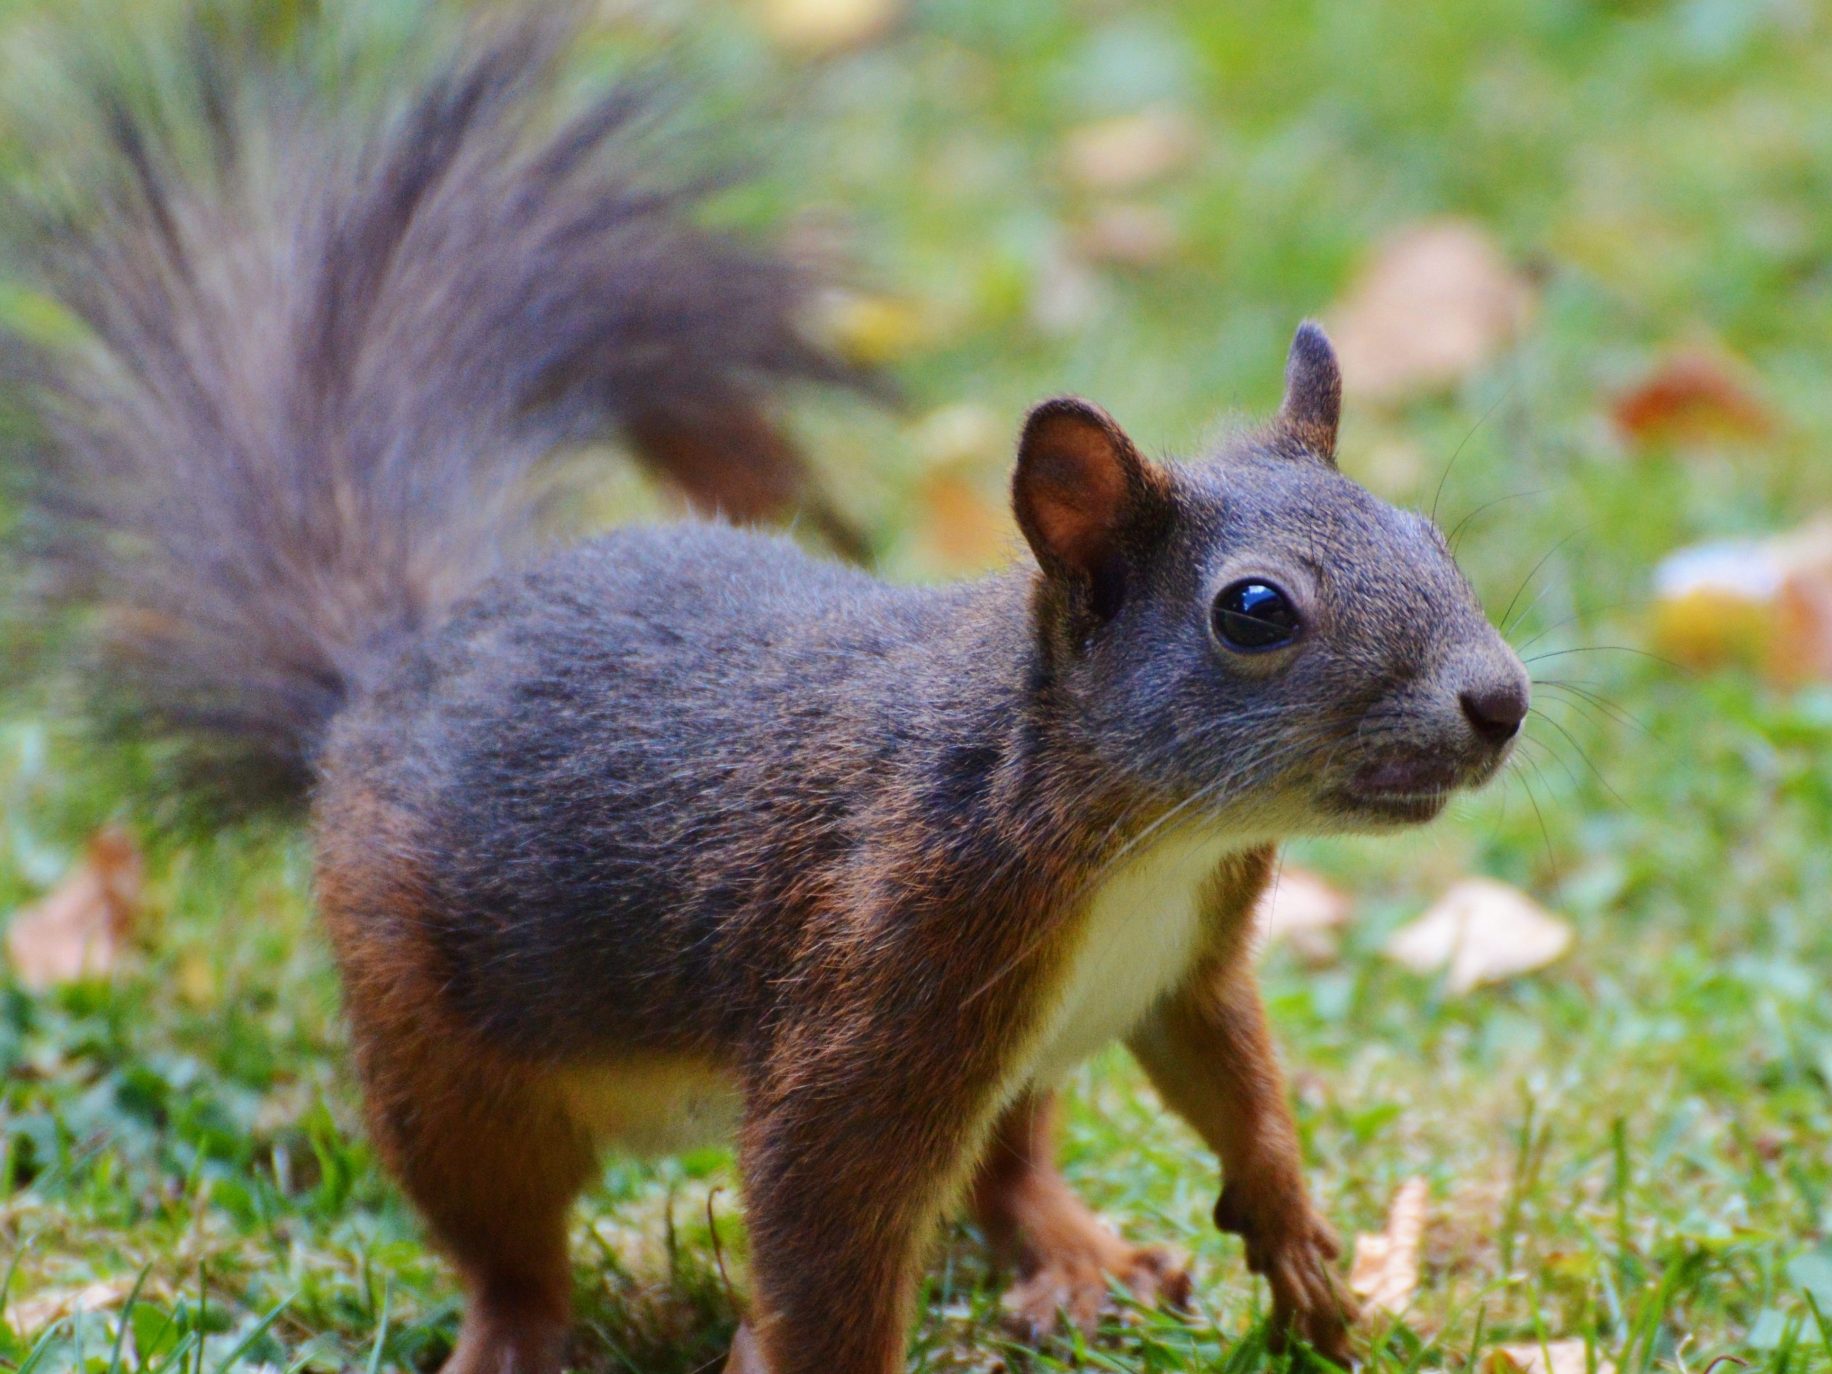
x,y
1142,931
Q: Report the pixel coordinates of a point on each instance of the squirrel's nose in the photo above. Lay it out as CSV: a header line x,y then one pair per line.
x,y
1496,710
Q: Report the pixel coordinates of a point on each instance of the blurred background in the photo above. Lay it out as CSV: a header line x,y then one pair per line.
x,y
1578,260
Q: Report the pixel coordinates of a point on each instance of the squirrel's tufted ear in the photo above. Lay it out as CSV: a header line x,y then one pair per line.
x,y
1083,495
1313,392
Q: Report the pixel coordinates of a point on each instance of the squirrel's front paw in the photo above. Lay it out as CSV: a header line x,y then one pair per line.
x,y
1295,1250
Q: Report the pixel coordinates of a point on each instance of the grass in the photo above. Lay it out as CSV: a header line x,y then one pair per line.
x,y
1631,1148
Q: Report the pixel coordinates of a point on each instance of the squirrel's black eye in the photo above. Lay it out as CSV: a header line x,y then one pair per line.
x,y
1251,615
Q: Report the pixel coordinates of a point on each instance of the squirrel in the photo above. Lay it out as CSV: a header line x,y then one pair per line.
x,y
681,832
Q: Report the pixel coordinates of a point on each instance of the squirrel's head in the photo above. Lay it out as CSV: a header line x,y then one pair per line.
x,y
1254,635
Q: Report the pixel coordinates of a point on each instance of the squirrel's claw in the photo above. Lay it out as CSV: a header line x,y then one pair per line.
x,y
1294,1249
1308,1302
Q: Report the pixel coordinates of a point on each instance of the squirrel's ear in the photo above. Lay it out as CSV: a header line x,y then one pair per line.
x,y
1082,493
1313,392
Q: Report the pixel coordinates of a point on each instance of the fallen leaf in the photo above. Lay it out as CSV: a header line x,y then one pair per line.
x,y
1714,603
33,1313
195,980
821,28
1126,234
1802,646
1764,603
78,929
1483,932
1394,466
965,434
1385,1272
1435,303
962,529
1554,1357
869,329
1128,151
1692,395
1303,910
1067,292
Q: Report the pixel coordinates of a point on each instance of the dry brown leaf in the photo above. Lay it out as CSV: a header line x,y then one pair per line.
x,y
1692,395
78,929
32,1313
1127,234
1385,1272
962,528
1482,931
1554,1357
1802,645
1435,303
1128,151
1068,292
1303,910
820,28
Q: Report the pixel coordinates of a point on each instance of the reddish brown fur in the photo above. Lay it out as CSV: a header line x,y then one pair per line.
x,y
481,1141
695,443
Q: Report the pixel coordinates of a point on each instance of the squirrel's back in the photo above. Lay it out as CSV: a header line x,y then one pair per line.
x,y
656,726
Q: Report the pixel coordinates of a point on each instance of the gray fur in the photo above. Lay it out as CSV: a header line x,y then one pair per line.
x,y
323,366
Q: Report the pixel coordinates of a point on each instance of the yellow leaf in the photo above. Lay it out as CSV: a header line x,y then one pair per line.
x,y
1437,302
1482,931
78,929
867,329
1762,603
1385,1272
820,28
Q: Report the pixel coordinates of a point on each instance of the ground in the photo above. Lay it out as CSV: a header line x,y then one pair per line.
x,y
1632,1147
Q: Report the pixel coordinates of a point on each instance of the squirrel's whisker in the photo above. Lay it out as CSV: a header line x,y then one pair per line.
x,y
1626,603
1463,443
1545,834
1590,715
1615,712
1608,649
1457,529
1589,763
1507,617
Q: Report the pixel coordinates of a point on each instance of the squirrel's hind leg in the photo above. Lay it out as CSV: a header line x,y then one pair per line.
x,y
493,1160
1067,1258
486,1145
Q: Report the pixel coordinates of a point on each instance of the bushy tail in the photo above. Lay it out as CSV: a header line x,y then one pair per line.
x,y
317,377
